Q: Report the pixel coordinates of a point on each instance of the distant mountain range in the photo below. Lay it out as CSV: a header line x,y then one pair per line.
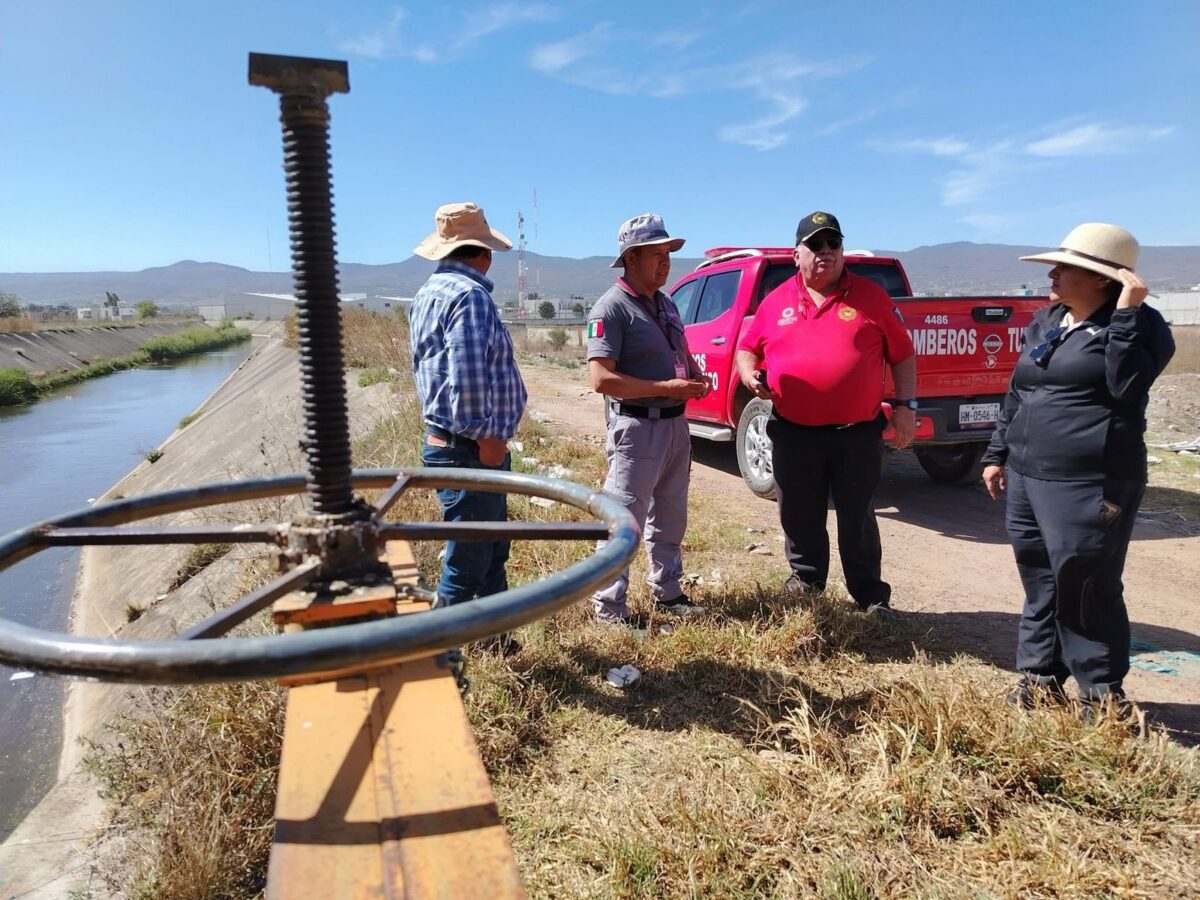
x,y
961,267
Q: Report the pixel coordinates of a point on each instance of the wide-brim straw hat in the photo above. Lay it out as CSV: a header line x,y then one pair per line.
x,y
1095,246
460,225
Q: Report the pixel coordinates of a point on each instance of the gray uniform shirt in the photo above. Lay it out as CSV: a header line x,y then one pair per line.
x,y
620,327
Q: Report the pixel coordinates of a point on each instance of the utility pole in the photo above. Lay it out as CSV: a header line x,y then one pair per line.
x,y
522,275
538,271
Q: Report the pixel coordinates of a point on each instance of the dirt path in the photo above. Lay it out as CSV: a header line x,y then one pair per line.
x,y
950,564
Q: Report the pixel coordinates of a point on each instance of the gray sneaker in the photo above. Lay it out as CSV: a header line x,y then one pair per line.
x,y
681,606
798,587
882,612
623,621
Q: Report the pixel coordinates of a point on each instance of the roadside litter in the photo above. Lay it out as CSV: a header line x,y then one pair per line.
x,y
623,677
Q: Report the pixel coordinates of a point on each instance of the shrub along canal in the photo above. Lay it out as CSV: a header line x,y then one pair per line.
x,y
55,456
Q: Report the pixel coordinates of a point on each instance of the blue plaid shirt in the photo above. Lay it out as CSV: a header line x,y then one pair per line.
x,y
462,354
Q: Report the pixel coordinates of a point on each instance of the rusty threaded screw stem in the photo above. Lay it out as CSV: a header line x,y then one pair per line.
x,y
303,85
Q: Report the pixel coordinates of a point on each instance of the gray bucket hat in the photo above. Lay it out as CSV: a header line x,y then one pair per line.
x,y
640,231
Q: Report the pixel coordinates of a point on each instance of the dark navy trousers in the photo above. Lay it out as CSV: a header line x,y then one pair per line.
x,y
1070,540
811,465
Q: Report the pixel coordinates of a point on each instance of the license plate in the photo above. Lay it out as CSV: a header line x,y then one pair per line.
x,y
978,415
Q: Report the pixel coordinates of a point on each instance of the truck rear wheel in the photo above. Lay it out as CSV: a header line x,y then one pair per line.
x,y
754,448
950,463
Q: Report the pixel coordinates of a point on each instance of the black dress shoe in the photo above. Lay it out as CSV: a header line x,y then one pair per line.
x,y
1029,693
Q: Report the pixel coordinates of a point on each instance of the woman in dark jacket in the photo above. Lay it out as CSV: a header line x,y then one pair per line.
x,y
1069,450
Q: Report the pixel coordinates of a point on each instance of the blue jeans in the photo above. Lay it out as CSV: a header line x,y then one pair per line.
x,y
471,568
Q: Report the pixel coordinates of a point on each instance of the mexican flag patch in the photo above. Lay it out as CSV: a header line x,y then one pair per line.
x,y
596,328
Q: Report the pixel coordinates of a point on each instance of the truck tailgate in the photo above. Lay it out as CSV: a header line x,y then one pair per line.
x,y
966,346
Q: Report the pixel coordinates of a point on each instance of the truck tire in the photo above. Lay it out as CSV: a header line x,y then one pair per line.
x,y
950,463
754,448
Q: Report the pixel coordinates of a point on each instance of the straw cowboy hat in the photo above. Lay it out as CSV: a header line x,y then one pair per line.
x,y
1106,249
460,225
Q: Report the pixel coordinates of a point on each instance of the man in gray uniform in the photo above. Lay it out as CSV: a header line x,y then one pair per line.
x,y
638,358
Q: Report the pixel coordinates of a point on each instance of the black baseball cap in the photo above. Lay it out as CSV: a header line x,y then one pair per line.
x,y
818,221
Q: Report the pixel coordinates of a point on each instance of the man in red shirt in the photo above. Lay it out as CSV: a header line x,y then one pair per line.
x,y
816,349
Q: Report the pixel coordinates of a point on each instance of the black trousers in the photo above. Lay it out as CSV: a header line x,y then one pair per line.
x,y
1070,539
812,464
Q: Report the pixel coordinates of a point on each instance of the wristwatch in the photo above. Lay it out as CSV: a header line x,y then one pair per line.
x,y
911,404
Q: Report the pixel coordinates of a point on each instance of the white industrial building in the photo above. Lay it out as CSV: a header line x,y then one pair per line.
x,y
1179,307
279,306
122,312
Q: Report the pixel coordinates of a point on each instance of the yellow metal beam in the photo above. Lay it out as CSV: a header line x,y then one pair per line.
x,y
381,789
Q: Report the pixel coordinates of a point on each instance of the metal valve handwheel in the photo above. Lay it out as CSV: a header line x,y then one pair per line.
x,y
197,656
340,538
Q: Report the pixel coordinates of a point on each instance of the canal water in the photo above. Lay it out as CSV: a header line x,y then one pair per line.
x,y
56,456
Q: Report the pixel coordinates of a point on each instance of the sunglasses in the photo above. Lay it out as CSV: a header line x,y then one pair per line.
x,y
817,244
1042,352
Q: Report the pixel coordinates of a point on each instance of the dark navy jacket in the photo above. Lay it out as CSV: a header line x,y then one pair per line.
x,y
1080,415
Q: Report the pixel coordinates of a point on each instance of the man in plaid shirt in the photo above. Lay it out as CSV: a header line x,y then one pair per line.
x,y
471,392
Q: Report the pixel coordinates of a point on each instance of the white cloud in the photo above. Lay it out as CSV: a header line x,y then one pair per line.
x,y
765,133
504,15
842,124
424,54
1094,138
978,172
556,58
975,170
771,79
944,146
375,42
981,178
385,39
679,39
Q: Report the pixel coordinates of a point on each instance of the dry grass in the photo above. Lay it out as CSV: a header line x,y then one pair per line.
x,y
771,749
27,323
190,785
768,752
372,339
1173,494
192,791
200,557
569,354
17,323
1187,350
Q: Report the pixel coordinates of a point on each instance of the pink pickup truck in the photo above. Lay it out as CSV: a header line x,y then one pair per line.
x,y
966,350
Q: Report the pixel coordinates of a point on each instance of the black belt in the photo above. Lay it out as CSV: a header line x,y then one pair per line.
x,y
649,412
451,439
833,426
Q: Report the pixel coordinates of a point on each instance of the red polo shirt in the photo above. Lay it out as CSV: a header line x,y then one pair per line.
x,y
826,362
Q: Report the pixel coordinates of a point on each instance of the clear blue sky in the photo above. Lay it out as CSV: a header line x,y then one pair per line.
x,y
129,137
